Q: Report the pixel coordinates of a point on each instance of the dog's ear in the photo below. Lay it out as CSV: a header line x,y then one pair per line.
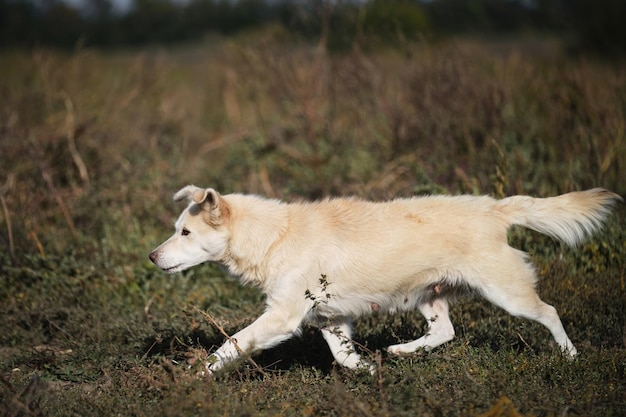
x,y
200,196
209,197
187,193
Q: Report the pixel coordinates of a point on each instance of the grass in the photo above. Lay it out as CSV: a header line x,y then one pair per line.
x,y
93,144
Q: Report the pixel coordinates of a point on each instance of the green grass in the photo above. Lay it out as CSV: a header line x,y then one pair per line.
x,y
93,145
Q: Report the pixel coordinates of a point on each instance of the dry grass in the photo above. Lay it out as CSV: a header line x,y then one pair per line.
x,y
93,144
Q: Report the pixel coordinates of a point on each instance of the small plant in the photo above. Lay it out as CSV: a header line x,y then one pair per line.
x,y
324,297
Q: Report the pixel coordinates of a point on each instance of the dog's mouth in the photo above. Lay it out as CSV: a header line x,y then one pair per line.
x,y
172,269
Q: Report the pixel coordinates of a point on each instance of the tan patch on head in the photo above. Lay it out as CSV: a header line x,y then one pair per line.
x,y
219,214
215,214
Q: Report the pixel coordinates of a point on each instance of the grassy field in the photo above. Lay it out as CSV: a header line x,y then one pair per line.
x,y
94,144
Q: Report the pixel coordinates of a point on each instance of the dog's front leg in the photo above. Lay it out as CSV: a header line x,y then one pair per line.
x,y
271,328
338,335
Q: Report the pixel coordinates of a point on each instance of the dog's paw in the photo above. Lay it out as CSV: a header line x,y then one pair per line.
x,y
357,363
571,352
404,349
394,350
213,364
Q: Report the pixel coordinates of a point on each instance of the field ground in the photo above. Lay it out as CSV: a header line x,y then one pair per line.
x,y
93,145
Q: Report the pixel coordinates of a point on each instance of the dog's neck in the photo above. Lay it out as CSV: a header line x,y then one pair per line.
x,y
253,235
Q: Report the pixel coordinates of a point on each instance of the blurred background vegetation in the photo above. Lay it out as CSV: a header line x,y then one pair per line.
x,y
105,112
590,25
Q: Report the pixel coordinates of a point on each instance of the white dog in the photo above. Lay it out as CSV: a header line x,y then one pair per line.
x,y
329,261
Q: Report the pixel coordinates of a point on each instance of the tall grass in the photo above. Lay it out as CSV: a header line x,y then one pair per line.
x,y
93,144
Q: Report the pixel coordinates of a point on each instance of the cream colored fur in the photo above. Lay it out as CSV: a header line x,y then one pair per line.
x,y
327,262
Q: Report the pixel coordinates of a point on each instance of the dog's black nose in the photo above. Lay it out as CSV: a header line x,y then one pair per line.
x,y
153,256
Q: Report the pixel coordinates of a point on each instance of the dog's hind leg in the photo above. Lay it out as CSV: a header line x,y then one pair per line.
x,y
513,289
338,335
440,329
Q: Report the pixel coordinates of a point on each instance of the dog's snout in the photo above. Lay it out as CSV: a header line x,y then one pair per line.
x,y
153,256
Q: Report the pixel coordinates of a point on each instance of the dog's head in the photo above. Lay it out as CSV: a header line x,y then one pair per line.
x,y
201,234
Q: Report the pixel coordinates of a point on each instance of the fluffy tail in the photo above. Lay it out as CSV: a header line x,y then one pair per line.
x,y
569,217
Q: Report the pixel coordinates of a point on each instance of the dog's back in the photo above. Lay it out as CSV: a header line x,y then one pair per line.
x,y
384,244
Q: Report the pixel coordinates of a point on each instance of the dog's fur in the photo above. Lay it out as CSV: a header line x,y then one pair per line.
x,y
329,261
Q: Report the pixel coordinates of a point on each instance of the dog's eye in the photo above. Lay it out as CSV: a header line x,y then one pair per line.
x,y
185,232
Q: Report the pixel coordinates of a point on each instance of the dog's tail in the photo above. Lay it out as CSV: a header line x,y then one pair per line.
x,y
569,217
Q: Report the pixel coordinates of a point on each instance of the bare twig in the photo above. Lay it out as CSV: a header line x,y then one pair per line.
x,y
37,242
221,141
157,341
379,370
59,200
567,410
211,320
146,309
21,407
501,176
9,228
524,342
65,333
8,384
3,190
71,139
